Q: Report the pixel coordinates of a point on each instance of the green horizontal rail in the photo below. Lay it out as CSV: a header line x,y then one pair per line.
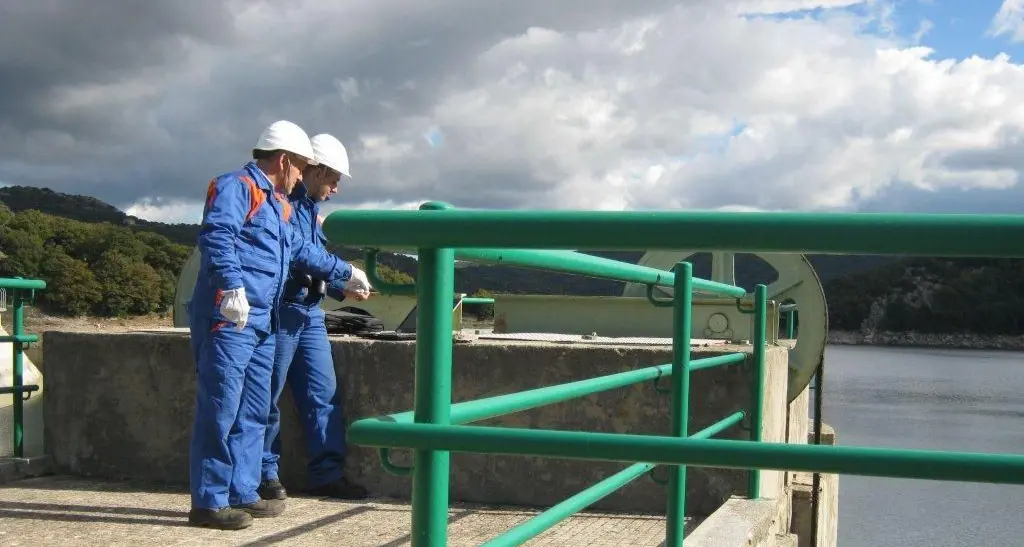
x,y
717,361
850,460
22,284
23,338
500,405
477,300
826,233
720,425
593,494
591,266
19,389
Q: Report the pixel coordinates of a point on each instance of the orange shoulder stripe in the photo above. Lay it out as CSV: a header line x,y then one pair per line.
x,y
256,197
211,193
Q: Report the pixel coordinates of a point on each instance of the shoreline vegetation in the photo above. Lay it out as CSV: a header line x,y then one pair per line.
x,y
926,340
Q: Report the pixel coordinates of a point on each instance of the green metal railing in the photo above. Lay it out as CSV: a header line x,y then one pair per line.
x,y
436,427
20,290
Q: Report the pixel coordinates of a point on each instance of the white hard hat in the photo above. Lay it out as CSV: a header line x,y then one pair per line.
x,y
285,135
330,152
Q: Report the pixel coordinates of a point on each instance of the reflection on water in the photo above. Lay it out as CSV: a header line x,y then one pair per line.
x,y
929,399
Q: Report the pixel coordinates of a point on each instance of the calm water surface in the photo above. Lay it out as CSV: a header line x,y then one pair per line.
x,y
928,399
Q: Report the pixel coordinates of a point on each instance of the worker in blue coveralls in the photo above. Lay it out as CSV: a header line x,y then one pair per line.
x,y
303,355
248,246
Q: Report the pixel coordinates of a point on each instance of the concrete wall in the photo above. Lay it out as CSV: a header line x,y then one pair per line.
x,y
120,406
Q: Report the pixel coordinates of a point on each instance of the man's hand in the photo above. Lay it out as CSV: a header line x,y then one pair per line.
x,y
358,296
358,283
235,306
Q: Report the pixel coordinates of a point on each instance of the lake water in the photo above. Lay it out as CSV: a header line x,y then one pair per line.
x,y
930,399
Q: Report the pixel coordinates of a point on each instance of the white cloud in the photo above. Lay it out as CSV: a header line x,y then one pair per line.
x,y
829,116
789,6
704,103
174,212
1009,20
923,28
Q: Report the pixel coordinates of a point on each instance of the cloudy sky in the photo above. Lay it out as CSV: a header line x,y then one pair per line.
x,y
896,105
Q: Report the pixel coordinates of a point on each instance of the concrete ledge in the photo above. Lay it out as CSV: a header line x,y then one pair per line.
x,y
13,469
740,522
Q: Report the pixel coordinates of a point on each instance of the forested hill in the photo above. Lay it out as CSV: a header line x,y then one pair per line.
x,y
90,210
99,260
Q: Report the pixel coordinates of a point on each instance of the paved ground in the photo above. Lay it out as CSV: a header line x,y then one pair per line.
x,y
59,510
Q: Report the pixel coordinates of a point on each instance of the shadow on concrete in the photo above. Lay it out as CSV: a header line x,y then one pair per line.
x,y
51,481
402,540
91,513
308,527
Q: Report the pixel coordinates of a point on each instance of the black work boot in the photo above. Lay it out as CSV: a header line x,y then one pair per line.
x,y
272,490
342,489
224,518
262,508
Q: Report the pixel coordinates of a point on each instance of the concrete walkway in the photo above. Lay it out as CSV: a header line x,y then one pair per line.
x,y
58,510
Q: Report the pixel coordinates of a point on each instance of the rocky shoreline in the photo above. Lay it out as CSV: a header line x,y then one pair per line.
x,y
917,339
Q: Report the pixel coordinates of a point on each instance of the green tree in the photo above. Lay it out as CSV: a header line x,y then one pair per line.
x,y
23,253
70,286
6,215
129,287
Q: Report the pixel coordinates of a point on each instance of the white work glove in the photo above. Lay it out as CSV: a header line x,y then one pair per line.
x,y
235,307
358,283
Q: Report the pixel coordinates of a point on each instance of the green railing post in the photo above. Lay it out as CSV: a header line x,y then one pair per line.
x,y
681,325
18,318
758,378
435,286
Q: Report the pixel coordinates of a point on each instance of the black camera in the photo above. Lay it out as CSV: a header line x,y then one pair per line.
x,y
317,287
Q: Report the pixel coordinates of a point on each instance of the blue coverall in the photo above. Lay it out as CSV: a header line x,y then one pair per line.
x,y
303,360
247,240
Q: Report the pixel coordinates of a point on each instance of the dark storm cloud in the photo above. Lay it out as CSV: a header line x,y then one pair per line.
x,y
45,45
170,133
904,198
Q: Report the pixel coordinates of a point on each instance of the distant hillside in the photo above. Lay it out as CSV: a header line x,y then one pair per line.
x,y
870,292
91,210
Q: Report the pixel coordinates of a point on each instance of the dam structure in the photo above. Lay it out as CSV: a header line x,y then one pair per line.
x,y
685,411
